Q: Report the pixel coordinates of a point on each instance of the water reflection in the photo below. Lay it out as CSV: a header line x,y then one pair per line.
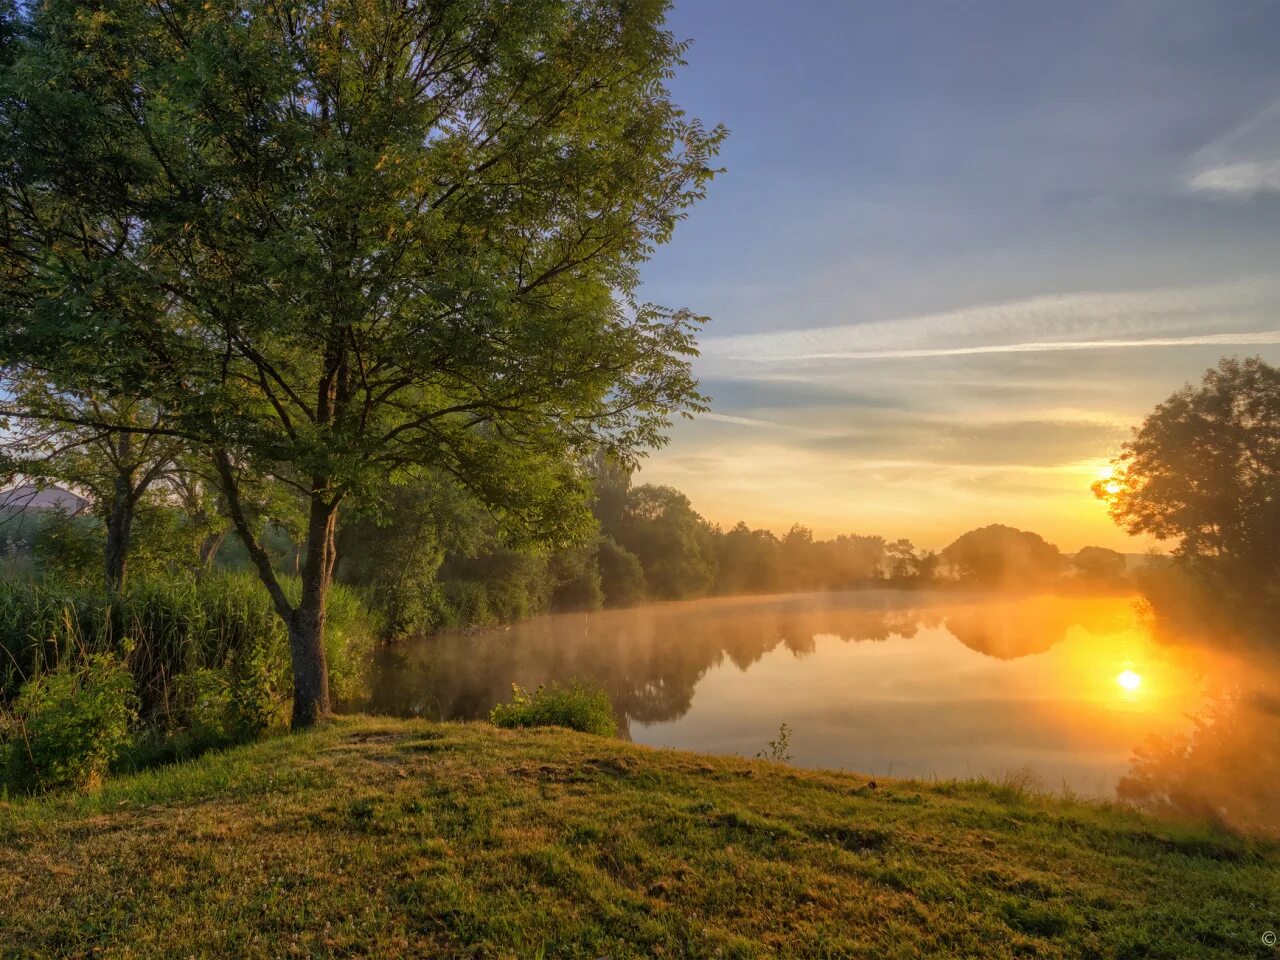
x,y
870,681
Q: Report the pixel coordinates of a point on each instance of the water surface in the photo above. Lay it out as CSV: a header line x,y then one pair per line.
x,y
909,684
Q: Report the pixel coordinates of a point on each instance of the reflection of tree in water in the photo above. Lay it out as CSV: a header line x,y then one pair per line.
x,y
1227,769
650,659
1013,628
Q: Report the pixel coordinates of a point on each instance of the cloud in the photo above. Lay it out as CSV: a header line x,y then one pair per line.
x,y
1244,178
1243,163
1241,313
1219,339
738,421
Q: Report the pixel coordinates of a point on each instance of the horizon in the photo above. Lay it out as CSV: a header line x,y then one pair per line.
x,y
958,255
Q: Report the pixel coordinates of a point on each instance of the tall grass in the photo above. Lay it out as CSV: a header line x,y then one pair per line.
x,y
167,627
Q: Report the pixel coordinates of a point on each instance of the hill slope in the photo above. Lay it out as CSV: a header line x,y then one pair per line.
x,y
387,838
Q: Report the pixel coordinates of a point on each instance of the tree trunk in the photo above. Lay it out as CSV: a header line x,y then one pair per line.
x,y
306,625
119,529
205,553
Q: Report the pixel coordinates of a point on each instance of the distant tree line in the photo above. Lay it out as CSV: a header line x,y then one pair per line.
x,y
439,561
436,558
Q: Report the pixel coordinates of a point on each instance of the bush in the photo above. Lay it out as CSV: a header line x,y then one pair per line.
x,y
579,706
68,725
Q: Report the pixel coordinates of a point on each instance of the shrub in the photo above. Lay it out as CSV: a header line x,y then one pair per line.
x,y
579,706
68,724
204,707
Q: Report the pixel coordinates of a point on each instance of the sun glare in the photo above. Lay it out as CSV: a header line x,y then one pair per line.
x,y
1129,680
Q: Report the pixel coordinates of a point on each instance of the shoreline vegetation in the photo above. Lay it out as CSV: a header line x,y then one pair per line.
x,y
387,838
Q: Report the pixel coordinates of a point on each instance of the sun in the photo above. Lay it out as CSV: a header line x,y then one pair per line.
x,y
1129,680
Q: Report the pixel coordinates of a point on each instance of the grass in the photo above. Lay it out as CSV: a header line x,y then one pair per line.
x,y
390,838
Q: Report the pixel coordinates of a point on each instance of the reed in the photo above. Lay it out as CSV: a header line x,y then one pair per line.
x,y
166,627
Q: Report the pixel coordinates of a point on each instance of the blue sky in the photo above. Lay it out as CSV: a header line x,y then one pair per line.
x,y
960,249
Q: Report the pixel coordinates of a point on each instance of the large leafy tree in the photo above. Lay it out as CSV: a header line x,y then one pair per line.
x,y
1203,471
349,241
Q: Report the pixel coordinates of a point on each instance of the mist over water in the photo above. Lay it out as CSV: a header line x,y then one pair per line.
x,y
901,683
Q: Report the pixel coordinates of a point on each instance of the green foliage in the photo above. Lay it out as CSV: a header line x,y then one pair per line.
x,y
68,724
204,707
175,627
673,543
68,546
500,584
1203,470
579,706
576,579
621,574
337,248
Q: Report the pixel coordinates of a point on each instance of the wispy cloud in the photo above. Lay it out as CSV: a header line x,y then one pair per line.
x,y
1218,339
1241,313
739,421
1243,163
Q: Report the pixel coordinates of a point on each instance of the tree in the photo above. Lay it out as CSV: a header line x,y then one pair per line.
x,y
747,561
621,575
1000,556
113,449
1203,470
673,543
1099,564
351,241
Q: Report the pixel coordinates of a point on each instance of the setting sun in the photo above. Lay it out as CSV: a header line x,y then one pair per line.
x,y
1129,680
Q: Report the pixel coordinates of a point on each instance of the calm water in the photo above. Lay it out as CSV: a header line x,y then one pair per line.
x,y
880,682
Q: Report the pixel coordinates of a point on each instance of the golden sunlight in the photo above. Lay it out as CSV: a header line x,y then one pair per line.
x,y
1129,680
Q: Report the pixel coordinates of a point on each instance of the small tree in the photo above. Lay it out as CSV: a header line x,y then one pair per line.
x,y
112,448
1001,556
1099,564
350,240
1203,471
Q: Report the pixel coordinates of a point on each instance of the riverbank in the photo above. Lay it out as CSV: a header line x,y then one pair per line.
x,y
385,838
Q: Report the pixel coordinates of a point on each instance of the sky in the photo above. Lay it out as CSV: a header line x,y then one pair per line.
x,y
960,250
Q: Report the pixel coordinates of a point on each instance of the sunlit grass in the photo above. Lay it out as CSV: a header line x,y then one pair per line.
x,y
385,838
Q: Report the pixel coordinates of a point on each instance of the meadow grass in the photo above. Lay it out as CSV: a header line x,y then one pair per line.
x,y
376,837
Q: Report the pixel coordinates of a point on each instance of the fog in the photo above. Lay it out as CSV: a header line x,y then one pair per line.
x,y
905,683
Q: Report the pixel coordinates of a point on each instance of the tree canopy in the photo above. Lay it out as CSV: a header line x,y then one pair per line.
x,y
344,242
1203,470
1001,556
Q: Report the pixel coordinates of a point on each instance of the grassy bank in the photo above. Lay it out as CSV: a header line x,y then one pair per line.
x,y
386,838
